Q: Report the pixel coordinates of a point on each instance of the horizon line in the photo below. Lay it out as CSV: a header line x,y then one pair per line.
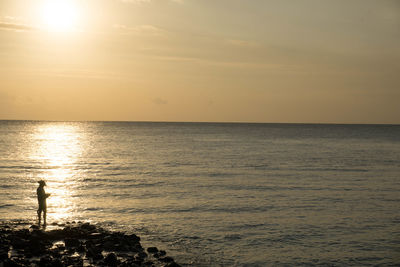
x,y
208,122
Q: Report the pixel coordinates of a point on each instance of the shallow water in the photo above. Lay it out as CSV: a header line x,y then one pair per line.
x,y
216,194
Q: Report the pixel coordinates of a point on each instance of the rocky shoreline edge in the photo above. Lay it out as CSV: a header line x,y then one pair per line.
x,y
75,244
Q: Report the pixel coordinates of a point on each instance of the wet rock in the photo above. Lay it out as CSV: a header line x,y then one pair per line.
x,y
58,247
134,237
34,226
152,250
12,263
57,263
81,248
72,243
45,261
142,255
148,263
108,245
172,264
136,248
111,260
18,243
132,263
3,254
122,247
166,259
159,254
56,234
56,254
95,236
88,227
94,252
72,260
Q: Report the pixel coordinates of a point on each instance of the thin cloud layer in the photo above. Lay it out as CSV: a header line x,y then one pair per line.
x,y
13,24
147,30
148,1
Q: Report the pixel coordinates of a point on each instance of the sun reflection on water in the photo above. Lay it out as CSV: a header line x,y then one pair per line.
x,y
58,148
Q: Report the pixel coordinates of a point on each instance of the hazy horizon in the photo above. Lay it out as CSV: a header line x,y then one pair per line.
x,y
257,61
208,122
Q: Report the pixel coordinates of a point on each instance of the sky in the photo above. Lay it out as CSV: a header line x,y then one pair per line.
x,y
289,61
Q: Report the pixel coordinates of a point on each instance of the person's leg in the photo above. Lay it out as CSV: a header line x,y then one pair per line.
x,y
39,212
44,217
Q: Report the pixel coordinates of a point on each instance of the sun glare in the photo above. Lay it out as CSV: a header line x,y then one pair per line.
x,y
58,147
60,15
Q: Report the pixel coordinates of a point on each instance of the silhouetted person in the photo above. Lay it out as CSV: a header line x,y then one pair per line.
x,y
42,196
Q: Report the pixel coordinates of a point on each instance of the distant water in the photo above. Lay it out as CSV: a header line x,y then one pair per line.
x,y
216,194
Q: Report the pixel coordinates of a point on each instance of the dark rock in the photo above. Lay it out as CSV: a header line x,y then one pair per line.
x,y
81,248
98,257
37,233
72,242
24,233
55,234
18,243
95,235
34,226
111,260
134,237
88,227
152,250
148,263
136,249
57,263
172,264
142,255
166,259
12,263
4,254
32,244
28,254
45,261
94,253
37,246
132,263
72,260
108,245
55,254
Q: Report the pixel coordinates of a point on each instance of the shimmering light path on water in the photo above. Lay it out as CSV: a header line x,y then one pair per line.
x,y
216,194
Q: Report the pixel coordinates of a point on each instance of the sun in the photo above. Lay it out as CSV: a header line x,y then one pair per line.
x,y
60,15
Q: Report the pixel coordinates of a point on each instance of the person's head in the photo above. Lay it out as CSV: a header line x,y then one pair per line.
x,y
42,183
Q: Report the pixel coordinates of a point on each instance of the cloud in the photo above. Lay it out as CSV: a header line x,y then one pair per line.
x,y
15,27
135,1
14,24
147,30
148,1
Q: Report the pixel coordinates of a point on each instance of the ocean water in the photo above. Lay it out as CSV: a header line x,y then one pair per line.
x,y
216,194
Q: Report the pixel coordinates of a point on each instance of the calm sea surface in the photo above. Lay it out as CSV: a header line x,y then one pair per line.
x,y
216,194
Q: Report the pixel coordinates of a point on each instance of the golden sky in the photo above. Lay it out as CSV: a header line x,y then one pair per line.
x,y
315,61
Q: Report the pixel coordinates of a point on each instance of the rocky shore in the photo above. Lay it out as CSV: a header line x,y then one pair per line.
x,y
75,244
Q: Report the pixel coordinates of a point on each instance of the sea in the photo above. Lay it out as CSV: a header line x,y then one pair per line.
x,y
216,194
